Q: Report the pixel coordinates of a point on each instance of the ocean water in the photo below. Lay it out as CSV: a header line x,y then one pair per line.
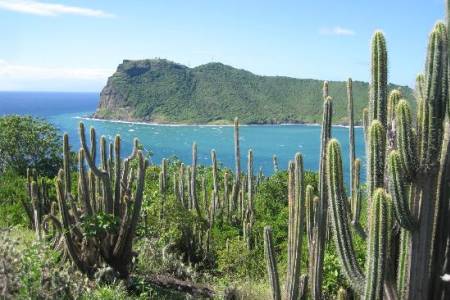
x,y
66,110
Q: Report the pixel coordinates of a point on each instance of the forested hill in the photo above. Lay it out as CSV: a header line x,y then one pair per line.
x,y
159,90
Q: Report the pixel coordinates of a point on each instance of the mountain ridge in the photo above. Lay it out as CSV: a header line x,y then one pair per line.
x,y
162,91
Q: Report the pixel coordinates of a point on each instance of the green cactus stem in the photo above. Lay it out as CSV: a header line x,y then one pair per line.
x,y
380,224
272,269
378,83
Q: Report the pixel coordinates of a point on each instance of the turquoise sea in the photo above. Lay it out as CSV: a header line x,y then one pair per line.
x,y
66,110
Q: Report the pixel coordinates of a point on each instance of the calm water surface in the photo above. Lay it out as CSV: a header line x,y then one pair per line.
x,y
66,110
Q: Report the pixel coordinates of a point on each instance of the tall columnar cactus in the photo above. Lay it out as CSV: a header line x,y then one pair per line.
x,y
272,268
380,223
237,172
249,213
421,166
295,227
193,182
296,202
214,178
310,209
181,185
351,124
325,90
226,195
378,82
39,204
114,246
275,163
322,216
417,177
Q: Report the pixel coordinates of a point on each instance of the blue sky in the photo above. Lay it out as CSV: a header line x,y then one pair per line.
x,y
73,45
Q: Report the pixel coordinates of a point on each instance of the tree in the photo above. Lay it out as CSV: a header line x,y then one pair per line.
x,y
28,142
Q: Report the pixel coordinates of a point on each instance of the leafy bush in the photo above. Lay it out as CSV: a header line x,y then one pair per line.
x,y
28,142
12,195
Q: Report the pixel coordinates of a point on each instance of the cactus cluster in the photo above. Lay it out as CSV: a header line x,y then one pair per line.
x,y
111,193
408,189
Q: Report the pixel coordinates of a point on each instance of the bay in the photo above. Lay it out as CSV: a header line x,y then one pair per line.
x,y
66,110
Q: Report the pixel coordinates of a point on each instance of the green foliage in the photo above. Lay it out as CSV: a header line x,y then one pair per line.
x,y
162,91
99,225
27,142
12,195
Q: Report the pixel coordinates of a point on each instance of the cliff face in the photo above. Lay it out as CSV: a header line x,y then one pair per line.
x,y
162,91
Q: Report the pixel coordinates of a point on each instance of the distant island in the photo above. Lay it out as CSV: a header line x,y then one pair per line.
x,y
161,91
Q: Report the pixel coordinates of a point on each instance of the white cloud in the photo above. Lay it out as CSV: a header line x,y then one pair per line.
x,y
336,30
17,72
50,9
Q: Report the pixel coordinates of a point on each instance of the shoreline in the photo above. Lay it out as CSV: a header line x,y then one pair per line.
x,y
205,125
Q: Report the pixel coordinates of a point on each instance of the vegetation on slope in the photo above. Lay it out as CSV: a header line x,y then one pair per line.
x,y
158,90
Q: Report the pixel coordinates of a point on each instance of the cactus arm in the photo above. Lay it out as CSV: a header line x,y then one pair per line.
x,y
271,263
69,241
92,192
35,200
237,159
226,199
380,224
193,183
83,184
214,175
66,164
309,202
378,84
93,139
117,171
356,193
441,250
403,263
376,157
319,238
275,163
181,185
103,175
406,141
341,231
424,205
295,227
366,124
351,132
138,195
325,90
398,190
111,162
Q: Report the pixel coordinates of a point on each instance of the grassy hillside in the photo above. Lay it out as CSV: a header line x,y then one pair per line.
x,y
162,91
